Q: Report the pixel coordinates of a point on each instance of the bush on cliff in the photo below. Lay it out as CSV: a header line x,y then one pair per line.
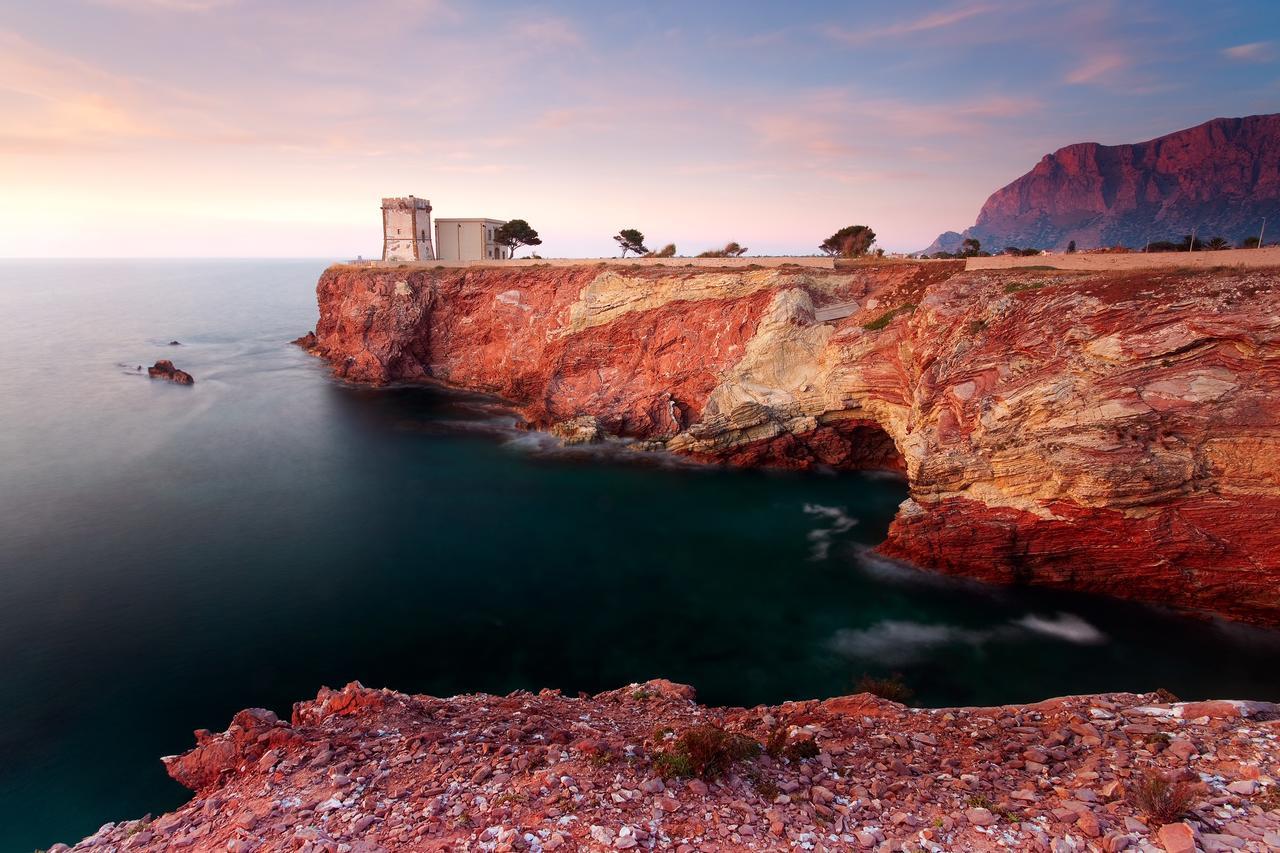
x,y
515,234
852,241
887,317
667,251
1160,798
706,751
731,250
630,240
892,688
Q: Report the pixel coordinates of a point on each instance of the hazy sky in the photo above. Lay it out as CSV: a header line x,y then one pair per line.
x,y
268,127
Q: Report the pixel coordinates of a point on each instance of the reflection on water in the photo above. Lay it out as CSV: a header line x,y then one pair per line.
x,y
170,555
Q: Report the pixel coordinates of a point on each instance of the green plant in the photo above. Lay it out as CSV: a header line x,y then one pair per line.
x,y
1016,286
1159,798
515,234
667,251
641,694
673,765
982,801
892,688
887,317
705,751
802,748
852,241
630,240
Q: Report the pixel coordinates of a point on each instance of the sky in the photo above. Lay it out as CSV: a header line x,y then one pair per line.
x,y
259,128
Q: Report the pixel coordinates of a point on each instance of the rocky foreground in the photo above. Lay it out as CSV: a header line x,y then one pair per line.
x,y
645,768
1111,432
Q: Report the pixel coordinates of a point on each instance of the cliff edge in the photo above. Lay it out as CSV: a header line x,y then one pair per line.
x,y
1111,432
646,767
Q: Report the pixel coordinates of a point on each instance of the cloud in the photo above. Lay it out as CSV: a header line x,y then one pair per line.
x,y
548,32
1254,51
167,5
938,20
1099,68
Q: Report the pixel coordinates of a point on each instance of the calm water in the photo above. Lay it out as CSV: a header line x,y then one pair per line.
x,y
170,555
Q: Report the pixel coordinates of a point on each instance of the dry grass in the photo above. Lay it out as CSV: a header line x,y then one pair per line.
x,y
706,752
892,688
1160,799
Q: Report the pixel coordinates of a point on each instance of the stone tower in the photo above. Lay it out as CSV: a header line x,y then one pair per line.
x,y
406,229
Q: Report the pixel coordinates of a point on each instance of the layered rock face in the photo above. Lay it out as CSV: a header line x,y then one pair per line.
x,y
1117,433
647,768
1219,179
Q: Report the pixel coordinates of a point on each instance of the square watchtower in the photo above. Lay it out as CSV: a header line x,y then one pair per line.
x,y
406,229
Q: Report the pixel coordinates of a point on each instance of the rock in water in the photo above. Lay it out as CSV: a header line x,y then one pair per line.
x,y
164,369
307,342
584,429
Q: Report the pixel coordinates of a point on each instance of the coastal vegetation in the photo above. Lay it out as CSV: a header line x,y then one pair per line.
x,y
705,751
516,233
852,241
631,240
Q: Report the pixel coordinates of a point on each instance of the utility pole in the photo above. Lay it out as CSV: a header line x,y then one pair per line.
x,y
1262,231
1191,247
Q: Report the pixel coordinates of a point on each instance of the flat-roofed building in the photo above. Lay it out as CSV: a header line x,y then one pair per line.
x,y
469,240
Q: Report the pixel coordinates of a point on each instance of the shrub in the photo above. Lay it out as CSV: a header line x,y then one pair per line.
x,y
887,317
852,241
1159,798
706,752
1016,286
892,688
1164,696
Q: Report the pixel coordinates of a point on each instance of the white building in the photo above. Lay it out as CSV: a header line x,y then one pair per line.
x,y
469,240
406,229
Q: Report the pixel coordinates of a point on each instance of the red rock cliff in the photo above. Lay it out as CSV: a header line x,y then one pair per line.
x,y
1118,433
1219,178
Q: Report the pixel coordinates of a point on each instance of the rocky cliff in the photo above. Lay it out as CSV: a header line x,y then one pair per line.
x,y
1219,178
645,767
1111,432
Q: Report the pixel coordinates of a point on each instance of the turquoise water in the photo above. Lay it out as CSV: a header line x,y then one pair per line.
x,y
170,555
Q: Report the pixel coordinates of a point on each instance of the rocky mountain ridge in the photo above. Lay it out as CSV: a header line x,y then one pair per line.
x,y
1218,179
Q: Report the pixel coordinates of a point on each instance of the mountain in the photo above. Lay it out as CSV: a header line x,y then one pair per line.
x,y
1219,178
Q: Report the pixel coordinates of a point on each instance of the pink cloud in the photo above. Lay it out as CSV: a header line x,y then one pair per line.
x,y
1100,68
1257,51
938,20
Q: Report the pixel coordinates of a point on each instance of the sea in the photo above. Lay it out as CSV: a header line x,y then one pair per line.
x,y
170,555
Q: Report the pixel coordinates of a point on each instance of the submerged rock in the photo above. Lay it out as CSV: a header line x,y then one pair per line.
x,y
164,369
